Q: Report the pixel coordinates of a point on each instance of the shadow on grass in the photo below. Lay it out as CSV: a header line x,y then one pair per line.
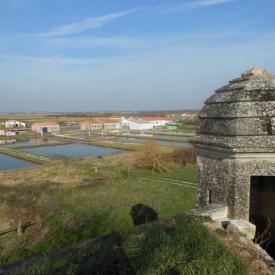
x,y
142,214
173,271
109,259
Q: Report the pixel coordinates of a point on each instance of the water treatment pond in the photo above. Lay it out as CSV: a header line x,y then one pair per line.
x,y
72,150
9,163
31,141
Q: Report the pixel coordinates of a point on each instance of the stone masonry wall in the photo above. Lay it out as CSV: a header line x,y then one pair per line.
x,y
243,170
228,182
216,179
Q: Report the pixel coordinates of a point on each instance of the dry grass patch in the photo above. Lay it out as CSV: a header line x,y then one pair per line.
x,y
163,159
61,174
247,250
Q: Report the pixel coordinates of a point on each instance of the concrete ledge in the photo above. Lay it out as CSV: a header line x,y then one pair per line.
x,y
244,227
214,211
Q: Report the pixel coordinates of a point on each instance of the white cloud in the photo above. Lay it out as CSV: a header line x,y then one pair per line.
x,y
193,5
88,24
100,21
214,2
114,42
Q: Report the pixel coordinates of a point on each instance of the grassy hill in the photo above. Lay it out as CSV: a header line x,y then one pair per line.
x,y
82,220
69,203
174,246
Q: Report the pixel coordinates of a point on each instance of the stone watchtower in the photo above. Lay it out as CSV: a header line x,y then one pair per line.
x,y
236,147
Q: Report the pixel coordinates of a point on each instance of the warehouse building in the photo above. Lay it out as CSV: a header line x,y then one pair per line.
x,y
97,124
136,124
157,121
45,127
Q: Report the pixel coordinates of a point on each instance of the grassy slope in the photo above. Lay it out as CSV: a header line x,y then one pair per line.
x,y
176,246
72,203
182,174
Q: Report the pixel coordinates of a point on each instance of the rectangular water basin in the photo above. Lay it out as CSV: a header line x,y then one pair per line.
x,y
31,141
9,163
72,150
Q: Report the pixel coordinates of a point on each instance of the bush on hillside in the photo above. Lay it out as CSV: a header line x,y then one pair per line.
x,y
184,156
153,157
159,160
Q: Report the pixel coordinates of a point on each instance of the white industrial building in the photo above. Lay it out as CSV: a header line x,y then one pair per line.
x,y
14,124
131,123
145,123
136,124
158,121
7,132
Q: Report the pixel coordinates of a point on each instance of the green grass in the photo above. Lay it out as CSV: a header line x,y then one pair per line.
x,y
188,173
97,207
181,245
187,127
105,209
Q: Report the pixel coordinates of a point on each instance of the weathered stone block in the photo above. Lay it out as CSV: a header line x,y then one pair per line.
x,y
213,211
244,227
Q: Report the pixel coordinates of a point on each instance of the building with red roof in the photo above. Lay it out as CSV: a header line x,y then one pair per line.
x,y
45,127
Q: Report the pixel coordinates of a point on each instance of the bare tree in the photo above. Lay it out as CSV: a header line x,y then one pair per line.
x,y
263,238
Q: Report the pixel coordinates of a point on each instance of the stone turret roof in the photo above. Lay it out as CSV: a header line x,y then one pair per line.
x,y
240,114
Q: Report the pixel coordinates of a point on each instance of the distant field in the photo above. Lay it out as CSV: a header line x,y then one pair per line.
x,y
70,203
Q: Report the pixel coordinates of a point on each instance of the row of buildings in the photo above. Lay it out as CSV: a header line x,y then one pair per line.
x,y
10,127
93,124
107,124
132,123
13,127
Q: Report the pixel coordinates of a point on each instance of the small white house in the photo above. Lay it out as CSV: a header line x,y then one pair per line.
x,y
14,124
7,132
45,127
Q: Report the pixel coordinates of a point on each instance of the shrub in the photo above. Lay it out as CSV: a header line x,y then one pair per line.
x,y
153,157
184,156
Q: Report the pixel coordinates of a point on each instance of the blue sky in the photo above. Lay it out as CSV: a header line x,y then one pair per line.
x,y
92,55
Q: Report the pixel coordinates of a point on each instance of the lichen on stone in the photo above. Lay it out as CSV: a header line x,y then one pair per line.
x,y
258,72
